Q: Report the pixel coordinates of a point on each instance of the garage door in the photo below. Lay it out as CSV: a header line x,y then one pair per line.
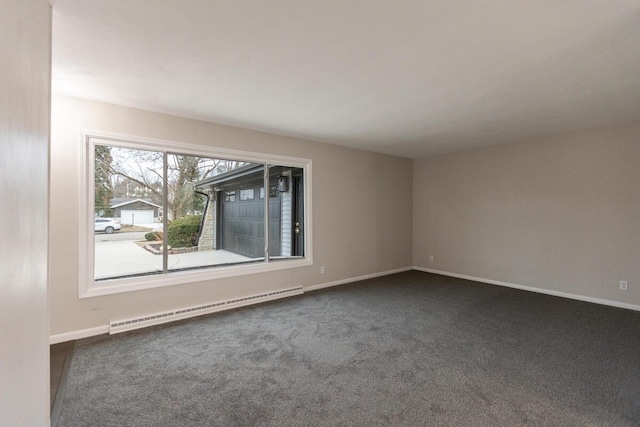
x,y
136,217
242,225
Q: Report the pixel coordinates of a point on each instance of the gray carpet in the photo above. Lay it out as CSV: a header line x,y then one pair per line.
x,y
409,349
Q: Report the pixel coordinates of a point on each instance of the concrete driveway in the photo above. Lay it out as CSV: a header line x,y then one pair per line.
x,y
116,258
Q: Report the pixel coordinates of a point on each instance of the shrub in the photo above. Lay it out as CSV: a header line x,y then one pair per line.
x,y
153,236
183,231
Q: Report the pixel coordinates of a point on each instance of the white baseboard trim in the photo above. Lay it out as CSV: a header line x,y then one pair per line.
x,y
86,333
100,330
534,289
355,279
184,314
76,335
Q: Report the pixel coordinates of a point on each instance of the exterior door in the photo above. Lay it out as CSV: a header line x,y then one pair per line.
x,y
298,216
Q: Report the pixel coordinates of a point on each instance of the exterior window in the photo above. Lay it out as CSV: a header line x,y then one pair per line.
x,y
160,209
246,194
272,192
128,188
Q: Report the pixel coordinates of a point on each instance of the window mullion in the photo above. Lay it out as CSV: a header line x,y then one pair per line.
x,y
165,213
266,213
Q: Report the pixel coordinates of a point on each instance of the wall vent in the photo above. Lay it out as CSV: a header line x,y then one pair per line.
x,y
184,313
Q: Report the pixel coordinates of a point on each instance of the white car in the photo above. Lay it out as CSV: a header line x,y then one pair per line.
x,y
107,225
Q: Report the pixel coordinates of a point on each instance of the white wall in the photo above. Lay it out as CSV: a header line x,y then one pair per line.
x,y
361,200
561,214
24,143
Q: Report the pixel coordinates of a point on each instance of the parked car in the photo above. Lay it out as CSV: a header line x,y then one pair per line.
x,y
107,225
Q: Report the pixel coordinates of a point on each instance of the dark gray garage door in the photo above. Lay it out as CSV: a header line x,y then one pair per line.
x,y
242,224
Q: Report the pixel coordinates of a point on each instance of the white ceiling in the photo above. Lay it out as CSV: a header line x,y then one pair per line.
x,y
409,78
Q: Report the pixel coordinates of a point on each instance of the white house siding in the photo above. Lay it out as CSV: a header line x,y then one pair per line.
x,y
287,225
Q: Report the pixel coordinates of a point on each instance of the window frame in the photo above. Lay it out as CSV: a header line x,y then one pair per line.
x,y
88,287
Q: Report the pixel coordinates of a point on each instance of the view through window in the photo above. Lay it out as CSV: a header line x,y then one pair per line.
x,y
158,212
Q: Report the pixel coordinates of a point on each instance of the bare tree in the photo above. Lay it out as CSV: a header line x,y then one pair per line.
x,y
144,169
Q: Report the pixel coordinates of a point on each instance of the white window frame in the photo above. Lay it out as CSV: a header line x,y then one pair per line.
x,y
89,287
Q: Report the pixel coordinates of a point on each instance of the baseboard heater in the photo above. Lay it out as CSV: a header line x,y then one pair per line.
x,y
184,313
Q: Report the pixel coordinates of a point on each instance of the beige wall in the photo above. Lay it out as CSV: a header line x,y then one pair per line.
x,y
362,212
561,214
25,75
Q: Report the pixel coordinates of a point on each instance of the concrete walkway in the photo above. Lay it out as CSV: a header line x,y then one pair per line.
x,y
120,258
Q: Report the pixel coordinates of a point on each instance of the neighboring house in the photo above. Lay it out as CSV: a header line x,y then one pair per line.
x,y
234,212
135,211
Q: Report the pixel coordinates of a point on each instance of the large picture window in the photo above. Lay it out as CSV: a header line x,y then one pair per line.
x,y
166,213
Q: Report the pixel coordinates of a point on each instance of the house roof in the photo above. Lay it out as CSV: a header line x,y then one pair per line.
x,y
231,175
250,171
123,201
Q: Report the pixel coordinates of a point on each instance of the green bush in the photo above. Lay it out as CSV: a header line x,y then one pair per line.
x,y
152,236
183,231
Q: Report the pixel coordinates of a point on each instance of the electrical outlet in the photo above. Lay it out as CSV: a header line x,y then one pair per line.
x,y
322,270
430,258
624,285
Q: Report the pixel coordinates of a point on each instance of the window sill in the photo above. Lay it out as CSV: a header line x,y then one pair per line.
x,y
116,286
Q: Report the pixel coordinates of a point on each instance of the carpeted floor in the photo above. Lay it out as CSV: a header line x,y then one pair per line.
x,y
409,349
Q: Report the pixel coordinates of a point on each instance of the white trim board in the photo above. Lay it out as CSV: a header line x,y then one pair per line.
x,y
77,335
534,289
186,313
100,330
355,279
